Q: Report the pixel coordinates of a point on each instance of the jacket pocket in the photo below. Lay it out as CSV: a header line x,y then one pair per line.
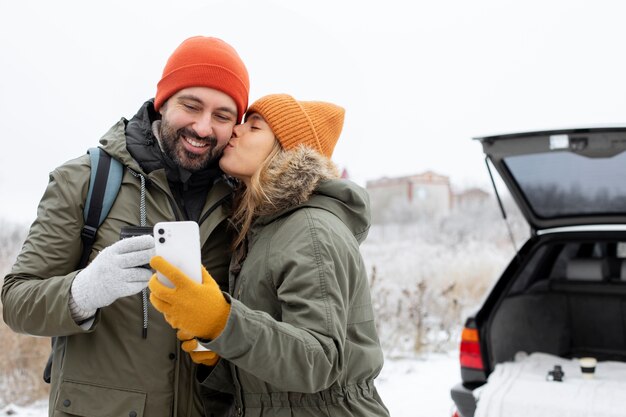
x,y
97,401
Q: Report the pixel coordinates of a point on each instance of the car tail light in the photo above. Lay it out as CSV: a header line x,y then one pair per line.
x,y
470,355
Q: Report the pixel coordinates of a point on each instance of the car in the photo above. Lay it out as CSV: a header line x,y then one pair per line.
x,y
564,291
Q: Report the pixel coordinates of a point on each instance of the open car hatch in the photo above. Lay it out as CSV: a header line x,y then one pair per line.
x,y
564,177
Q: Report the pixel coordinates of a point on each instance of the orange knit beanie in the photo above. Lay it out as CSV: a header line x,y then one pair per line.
x,y
202,61
315,124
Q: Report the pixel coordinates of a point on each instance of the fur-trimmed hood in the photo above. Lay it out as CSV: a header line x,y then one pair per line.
x,y
303,178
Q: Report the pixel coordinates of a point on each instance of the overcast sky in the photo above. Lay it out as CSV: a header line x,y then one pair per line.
x,y
418,79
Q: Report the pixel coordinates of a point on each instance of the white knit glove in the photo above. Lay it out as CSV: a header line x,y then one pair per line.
x,y
116,272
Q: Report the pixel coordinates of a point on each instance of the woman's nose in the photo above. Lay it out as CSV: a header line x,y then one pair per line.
x,y
237,129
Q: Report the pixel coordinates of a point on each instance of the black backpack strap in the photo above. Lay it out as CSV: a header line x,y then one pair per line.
x,y
104,183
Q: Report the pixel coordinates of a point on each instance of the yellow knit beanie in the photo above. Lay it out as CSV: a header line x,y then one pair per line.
x,y
315,124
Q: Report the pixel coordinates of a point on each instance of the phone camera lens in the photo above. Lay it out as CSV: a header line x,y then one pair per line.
x,y
162,240
161,231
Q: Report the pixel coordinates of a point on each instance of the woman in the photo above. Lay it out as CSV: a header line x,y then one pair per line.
x,y
298,328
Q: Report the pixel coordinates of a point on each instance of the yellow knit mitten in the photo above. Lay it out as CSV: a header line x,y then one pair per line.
x,y
189,344
198,309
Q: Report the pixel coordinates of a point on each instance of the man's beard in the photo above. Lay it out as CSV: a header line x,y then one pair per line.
x,y
171,142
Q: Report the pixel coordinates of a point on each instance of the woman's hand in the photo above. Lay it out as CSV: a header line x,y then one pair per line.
x,y
189,345
198,309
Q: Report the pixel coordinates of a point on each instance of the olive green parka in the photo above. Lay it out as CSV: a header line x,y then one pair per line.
x,y
112,368
300,339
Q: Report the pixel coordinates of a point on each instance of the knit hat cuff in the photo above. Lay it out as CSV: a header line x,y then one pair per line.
x,y
203,75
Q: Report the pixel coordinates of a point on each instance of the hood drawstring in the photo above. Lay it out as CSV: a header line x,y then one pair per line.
x,y
142,222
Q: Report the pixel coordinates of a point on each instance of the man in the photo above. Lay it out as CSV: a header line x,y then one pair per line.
x,y
116,355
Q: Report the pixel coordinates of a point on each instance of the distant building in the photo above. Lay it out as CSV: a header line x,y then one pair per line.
x,y
471,198
409,198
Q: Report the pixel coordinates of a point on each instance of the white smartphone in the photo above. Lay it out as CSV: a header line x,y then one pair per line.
x,y
179,244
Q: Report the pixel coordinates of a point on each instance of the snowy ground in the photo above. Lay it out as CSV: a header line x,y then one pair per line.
x,y
416,387
419,387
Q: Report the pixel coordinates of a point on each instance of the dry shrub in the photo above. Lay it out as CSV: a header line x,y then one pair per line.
x,y
22,360
427,276
22,357
427,314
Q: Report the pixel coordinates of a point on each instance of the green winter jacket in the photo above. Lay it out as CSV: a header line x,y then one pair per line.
x,y
110,369
300,339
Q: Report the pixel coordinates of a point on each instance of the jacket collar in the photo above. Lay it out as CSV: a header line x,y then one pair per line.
x,y
303,178
291,179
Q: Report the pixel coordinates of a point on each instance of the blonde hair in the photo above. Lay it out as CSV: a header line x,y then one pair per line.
x,y
249,199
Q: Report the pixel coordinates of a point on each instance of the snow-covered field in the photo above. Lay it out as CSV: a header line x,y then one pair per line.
x,y
412,387
419,387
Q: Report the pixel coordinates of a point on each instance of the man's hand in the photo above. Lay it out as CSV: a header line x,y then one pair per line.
x,y
197,309
116,272
189,344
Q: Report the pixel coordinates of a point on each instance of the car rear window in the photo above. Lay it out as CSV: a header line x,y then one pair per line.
x,y
560,184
